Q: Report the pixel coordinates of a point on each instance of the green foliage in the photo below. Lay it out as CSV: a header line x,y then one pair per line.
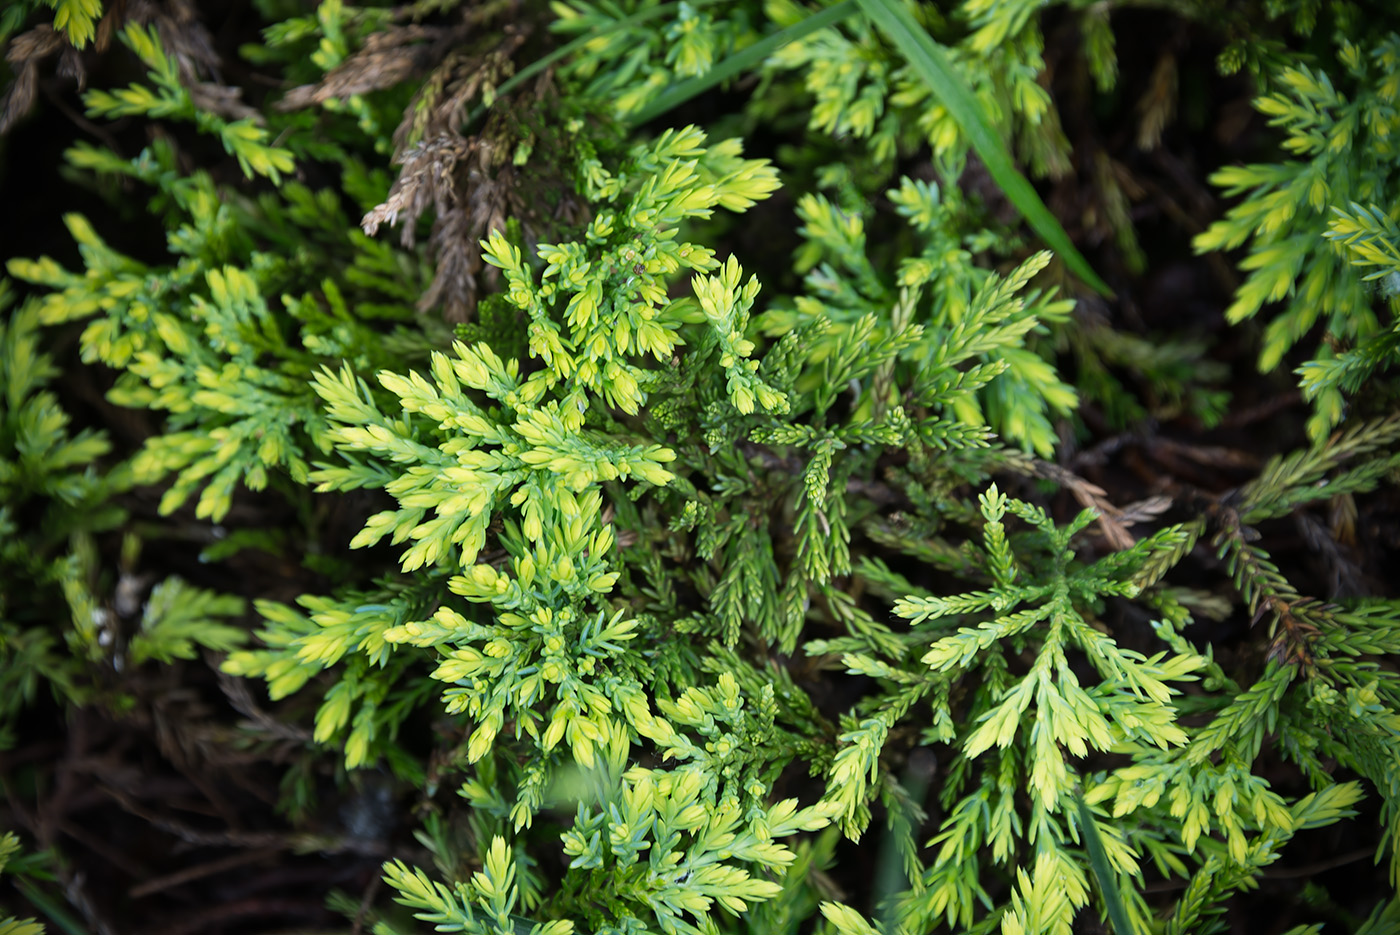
x,y
642,57
40,458
666,569
862,91
206,338
1311,242
692,844
835,70
968,316
1103,872
76,20
492,893
243,139
1370,239
52,497
1016,732
531,453
178,617
741,61
929,62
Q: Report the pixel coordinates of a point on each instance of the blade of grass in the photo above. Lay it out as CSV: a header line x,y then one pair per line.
x,y
1098,860
59,916
742,61
927,59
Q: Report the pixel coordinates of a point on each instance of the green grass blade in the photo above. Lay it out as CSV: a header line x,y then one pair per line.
x,y
1098,860
59,916
929,62
742,61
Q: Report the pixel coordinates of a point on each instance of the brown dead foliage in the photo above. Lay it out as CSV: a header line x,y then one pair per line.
x,y
25,53
387,58
395,54
455,177
183,37
468,182
464,181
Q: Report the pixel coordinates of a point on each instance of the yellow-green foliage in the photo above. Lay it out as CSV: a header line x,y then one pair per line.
x,y
1310,221
684,558
205,338
75,20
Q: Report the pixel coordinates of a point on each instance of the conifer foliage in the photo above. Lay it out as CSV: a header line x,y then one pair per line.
x,y
711,515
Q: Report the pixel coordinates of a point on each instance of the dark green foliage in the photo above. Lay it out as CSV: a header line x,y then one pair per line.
x,y
54,499
49,484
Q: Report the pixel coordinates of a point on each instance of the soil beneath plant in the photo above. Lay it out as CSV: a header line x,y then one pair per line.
x,y
166,815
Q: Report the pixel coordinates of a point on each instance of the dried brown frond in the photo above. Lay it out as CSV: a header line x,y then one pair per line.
x,y
1296,628
182,35
1144,511
468,183
70,66
1113,521
1337,559
424,8
1157,106
387,58
456,241
222,100
454,177
25,53
1341,519
107,26
425,181
458,261
440,106
190,44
